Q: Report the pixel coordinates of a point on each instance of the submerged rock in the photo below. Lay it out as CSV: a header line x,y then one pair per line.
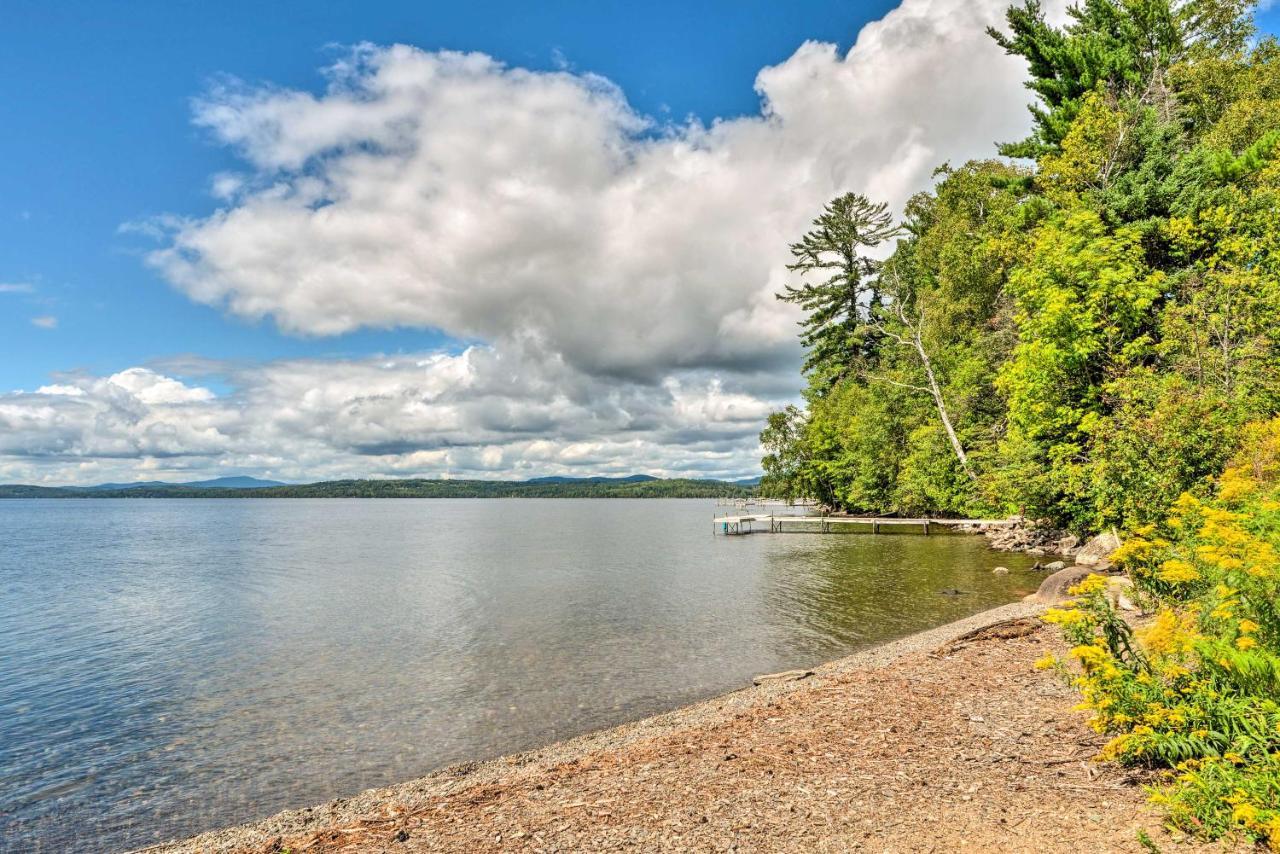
x,y
1000,570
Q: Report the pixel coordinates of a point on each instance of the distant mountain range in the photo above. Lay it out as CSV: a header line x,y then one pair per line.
x,y
216,483
631,486
556,478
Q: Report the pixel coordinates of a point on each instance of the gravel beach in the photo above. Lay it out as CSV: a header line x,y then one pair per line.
x,y
947,740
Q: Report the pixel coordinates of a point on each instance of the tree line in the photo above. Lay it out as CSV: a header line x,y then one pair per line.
x,y
1076,329
415,488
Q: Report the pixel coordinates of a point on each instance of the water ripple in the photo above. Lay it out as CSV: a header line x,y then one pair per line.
x,y
169,666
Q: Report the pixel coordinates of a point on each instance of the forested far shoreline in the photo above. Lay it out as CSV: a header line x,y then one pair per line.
x,y
413,488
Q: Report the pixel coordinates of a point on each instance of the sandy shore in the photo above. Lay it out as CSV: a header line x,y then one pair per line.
x,y
943,741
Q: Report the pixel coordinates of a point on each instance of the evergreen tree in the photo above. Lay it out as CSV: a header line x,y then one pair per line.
x,y
1124,48
835,328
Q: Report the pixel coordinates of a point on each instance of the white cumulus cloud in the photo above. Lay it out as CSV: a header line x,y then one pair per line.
x,y
479,413
615,272
448,191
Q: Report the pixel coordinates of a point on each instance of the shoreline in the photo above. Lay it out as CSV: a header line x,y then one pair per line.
x,y
416,814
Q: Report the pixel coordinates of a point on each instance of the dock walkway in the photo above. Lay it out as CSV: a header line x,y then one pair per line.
x,y
775,524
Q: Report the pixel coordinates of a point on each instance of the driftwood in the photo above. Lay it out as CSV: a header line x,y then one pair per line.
x,y
785,676
1003,630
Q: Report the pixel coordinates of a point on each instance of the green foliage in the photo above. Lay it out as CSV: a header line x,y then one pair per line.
x,y
1080,341
875,439
1121,47
1085,299
786,473
1229,168
856,439
1163,435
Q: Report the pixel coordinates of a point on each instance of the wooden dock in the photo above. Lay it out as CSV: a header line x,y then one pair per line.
x,y
775,524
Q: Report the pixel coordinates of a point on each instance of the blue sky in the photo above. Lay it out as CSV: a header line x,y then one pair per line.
x,y
96,104
260,238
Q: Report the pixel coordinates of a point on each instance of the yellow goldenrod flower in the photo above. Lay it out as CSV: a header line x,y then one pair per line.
x,y
1245,813
1091,583
1177,571
1169,634
1235,484
1064,616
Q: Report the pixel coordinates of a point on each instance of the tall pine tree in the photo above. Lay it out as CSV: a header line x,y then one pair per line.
x,y
838,308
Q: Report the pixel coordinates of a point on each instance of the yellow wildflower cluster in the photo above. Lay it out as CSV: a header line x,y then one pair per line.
x,y
1228,546
1065,616
1196,687
1134,550
1170,634
1235,485
1092,583
1046,662
1176,571
1252,817
1095,659
1246,640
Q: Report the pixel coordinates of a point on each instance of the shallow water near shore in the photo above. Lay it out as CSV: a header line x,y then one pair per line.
x,y
170,666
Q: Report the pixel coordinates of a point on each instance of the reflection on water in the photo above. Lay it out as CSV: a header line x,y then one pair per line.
x,y
169,666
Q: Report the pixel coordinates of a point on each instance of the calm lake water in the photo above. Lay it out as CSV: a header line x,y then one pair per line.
x,y
168,666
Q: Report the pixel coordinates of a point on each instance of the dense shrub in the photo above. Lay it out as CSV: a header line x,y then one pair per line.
x,y
1196,689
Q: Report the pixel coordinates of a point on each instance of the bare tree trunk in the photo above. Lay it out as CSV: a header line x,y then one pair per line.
x,y
936,391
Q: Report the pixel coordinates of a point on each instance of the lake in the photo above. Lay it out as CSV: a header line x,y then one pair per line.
x,y
170,666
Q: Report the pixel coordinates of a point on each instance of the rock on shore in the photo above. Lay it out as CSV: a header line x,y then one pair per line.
x,y
1021,535
1097,552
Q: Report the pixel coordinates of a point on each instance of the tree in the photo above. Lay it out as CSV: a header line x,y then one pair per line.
x,y
1086,302
1223,327
1124,48
835,329
784,463
943,294
1082,340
